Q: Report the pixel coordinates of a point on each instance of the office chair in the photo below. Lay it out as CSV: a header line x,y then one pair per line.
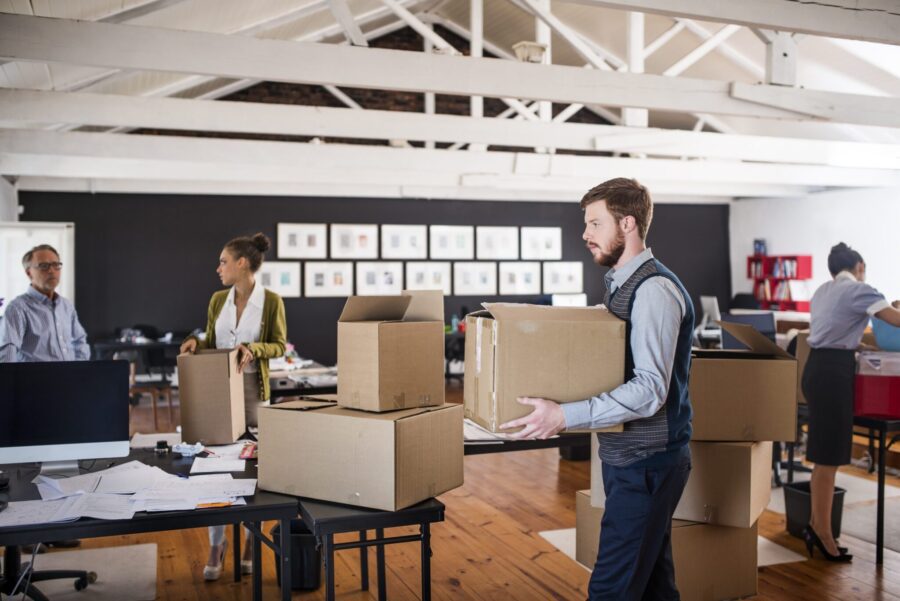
x,y
154,362
744,300
12,576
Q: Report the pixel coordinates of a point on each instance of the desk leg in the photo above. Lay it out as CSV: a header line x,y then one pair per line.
x,y
236,550
882,460
257,564
871,450
285,558
790,477
426,562
363,563
328,552
379,556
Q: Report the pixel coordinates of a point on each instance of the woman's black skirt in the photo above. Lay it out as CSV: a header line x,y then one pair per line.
x,y
828,387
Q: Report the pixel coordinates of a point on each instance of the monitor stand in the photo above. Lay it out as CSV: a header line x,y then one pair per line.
x,y
59,469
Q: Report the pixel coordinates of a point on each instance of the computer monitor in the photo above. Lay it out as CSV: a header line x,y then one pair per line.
x,y
763,321
63,411
710,306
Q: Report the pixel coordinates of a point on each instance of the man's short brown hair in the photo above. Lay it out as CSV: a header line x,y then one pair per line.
x,y
624,197
26,258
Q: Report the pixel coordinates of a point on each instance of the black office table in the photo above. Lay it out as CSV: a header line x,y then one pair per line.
x,y
563,441
105,349
327,519
882,425
260,507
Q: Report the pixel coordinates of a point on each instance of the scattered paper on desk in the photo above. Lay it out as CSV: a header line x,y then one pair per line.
x,y
205,465
103,507
27,513
228,451
57,488
148,441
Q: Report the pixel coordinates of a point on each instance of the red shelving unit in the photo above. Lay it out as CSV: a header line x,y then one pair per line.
x,y
772,274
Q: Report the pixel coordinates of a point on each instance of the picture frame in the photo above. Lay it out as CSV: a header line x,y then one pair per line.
x,y
374,278
429,275
475,278
452,242
520,277
541,243
328,279
354,241
281,277
563,277
404,241
497,242
302,240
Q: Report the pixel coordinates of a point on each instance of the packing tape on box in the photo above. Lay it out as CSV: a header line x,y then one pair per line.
x,y
479,324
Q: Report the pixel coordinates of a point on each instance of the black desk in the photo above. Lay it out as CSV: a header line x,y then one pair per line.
x,y
563,441
260,507
881,425
327,519
105,349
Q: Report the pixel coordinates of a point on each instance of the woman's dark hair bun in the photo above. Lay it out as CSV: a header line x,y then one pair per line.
x,y
843,258
261,242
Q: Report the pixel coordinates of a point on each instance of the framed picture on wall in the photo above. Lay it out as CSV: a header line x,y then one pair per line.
x,y
452,242
563,277
520,277
354,241
497,242
404,242
281,277
542,243
328,278
428,275
379,277
472,278
302,241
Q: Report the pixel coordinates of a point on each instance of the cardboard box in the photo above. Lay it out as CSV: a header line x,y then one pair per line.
x,y
730,483
211,393
391,351
744,395
560,353
379,460
711,562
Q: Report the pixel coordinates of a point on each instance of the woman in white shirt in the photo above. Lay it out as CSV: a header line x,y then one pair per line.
x,y
251,319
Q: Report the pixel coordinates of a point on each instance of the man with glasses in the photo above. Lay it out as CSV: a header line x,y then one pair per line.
x,y
40,325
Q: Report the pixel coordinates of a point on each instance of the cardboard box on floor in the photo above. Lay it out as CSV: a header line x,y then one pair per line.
x,y
391,351
730,483
388,461
211,393
744,395
560,353
711,562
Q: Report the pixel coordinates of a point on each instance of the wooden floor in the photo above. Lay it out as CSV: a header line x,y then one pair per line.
x,y
489,547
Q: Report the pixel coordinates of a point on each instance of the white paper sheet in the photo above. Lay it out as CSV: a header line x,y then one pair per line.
x,y
148,441
103,507
205,465
26,513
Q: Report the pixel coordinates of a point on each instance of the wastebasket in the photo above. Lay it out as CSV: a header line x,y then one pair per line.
x,y
797,507
306,560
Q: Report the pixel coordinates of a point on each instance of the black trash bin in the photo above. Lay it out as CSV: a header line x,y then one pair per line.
x,y
797,507
306,560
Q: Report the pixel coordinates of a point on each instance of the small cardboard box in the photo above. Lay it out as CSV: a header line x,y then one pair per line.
x,y
729,485
711,562
561,353
211,392
391,351
383,461
744,395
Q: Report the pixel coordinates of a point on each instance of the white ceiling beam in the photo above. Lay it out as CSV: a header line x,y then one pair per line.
x,y
702,50
476,49
565,32
344,16
727,50
634,56
781,57
419,27
869,20
663,38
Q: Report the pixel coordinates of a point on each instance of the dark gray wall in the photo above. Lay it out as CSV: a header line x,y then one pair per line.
x,y
151,259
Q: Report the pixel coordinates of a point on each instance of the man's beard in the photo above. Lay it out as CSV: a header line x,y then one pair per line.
x,y
612,257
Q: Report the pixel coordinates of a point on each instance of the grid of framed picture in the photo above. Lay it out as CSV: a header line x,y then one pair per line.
x,y
462,260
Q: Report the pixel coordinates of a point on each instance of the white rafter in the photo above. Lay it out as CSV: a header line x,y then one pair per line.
x,y
344,16
702,50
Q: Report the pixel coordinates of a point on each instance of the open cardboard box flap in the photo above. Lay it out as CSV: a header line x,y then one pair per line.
x,y
328,402
308,403
424,305
757,344
521,311
419,305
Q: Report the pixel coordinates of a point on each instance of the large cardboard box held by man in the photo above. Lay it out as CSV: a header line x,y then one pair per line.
x,y
388,461
560,353
711,562
744,395
391,351
211,392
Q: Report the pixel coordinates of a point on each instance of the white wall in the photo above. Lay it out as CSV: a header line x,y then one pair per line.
x,y
867,220
9,201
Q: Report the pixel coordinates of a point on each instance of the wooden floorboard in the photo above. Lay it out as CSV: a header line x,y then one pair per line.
x,y
489,547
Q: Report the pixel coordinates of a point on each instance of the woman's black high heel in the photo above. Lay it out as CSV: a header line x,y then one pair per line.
x,y
812,540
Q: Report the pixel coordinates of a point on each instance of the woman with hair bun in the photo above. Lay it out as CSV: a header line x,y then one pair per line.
x,y
251,319
839,312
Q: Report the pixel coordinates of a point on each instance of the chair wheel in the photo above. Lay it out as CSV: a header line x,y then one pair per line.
x,y
81,584
92,577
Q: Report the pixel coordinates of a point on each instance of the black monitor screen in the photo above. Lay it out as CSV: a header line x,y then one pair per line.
x,y
68,402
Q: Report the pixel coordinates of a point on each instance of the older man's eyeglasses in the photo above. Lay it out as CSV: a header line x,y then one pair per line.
x,y
56,266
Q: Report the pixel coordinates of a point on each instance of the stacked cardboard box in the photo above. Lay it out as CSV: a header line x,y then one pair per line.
x,y
742,401
211,393
386,440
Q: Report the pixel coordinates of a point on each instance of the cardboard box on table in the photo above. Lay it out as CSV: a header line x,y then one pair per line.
x,y
211,393
391,351
561,353
711,562
314,448
730,483
744,395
